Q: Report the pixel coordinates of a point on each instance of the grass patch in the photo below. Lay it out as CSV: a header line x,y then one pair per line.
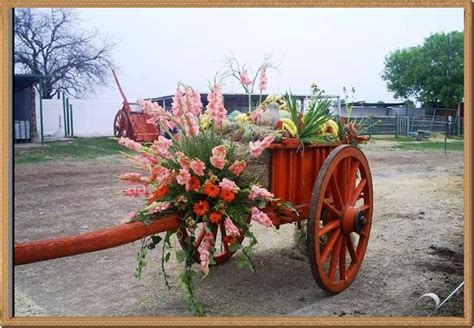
x,y
77,149
451,145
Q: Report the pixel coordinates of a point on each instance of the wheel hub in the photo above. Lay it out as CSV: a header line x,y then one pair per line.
x,y
352,220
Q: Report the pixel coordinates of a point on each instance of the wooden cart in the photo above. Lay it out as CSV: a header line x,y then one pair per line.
x,y
131,122
330,186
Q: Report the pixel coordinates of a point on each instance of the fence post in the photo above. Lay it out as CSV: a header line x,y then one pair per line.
x,y
67,117
408,124
72,122
458,120
64,112
370,126
396,125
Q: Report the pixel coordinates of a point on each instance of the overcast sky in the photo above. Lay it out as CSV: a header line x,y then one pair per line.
x,y
333,47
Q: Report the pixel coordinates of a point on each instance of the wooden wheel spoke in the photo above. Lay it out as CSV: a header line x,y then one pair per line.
x,y
351,180
363,234
334,259
330,245
351,249
328,227
363,208
356,193
336,192
342,259
327,205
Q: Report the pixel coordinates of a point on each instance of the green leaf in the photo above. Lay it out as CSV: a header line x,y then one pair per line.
x,y
180,256
234,247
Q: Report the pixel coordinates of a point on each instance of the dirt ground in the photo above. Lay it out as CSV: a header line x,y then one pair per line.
x,y
416,247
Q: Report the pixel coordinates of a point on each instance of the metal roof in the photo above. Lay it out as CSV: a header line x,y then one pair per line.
x,y
23,81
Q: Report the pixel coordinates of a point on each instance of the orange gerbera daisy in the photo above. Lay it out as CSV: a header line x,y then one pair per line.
x,y
230,240
193,184
215,217
227,196
211,189
159,192
201,207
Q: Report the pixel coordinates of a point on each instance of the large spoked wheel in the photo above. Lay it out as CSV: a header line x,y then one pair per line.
x,y
121,124
223,253
340,218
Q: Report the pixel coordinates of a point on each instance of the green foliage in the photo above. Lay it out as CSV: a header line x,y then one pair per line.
x,y
432,73
316,115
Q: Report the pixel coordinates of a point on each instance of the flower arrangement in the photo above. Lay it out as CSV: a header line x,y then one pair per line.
x,y
198,175
241,73
349,129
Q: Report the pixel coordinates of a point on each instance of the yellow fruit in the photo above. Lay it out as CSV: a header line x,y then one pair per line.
x,y
242,118
332,127
289,126
205,122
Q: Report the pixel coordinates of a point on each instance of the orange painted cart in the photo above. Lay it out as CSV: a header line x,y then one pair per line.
x,y
330,186
131,122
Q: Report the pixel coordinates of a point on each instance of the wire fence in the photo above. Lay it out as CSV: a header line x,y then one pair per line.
x,y
400,125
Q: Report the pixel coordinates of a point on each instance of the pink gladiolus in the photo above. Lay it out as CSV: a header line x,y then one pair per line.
x,y
218,162
191,126
183,160
195,105
230,228
161,147
156,207
244,78
130,144
215,107
218,157
178,105
204,250
237,167
262,85
162,173
198,167
131,217
132,178
257,192
267,140
256,114
257,147
183,177
147,159
229,185
156,114
135,191
219,151
261,217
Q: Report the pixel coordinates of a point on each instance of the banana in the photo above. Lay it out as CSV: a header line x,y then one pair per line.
x,y
290,128
332,127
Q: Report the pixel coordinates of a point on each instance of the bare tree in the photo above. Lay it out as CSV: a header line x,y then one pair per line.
x,y
48,42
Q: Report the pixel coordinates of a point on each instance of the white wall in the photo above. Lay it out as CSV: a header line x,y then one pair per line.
x,y
91,117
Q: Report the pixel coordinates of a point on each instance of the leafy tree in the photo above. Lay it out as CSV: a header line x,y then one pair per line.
x,y
48,42
432,73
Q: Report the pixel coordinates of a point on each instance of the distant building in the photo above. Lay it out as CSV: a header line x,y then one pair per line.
x,y
239,102
24,107
366,109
